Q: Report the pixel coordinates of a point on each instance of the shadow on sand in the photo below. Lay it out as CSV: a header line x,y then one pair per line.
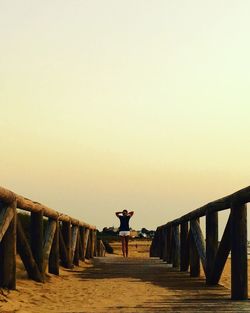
x,y
184,294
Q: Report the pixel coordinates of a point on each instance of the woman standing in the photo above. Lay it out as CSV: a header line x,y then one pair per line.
x,y
124,231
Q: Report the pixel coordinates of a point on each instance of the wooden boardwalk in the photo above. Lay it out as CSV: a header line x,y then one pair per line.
x,y
149,285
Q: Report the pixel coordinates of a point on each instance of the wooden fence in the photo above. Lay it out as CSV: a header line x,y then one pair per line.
x,y
182,243
54,239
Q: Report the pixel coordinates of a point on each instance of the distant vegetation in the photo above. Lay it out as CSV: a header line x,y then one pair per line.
x,y
112,233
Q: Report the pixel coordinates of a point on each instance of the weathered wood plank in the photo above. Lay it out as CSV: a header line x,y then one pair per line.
x,y
81,242
7,196
154,251
240,196
95,241
92,247
170,245
239,280
184,247
89,245
36,238
194,256
98,248
221,255
26,255
62,250
76,250
161,242
54,256
8,251
211,243
176,247
48,240
103,249
199,242
86,242
165,245
66,233
74,239
6,215
32,206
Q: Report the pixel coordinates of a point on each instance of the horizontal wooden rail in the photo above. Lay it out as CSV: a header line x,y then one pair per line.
x,y
43,244
241,196
32,206
182,243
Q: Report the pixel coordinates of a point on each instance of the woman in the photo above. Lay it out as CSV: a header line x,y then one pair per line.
x,y
124,231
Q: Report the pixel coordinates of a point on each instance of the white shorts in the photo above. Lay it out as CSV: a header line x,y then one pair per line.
x,y
124,233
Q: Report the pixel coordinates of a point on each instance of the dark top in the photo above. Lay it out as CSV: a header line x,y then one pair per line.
x,y
124,222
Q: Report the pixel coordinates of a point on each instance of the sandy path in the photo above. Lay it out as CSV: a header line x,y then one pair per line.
x,y
121,285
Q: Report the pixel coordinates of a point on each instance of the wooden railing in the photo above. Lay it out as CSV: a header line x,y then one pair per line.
x,y
53,239
182,243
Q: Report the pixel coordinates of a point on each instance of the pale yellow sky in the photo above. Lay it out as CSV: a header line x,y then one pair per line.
x,y
116,104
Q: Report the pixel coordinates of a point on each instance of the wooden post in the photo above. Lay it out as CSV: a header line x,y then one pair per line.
x,y
26,255
194,257
199,242
165,245
95,244
66,233
62,249
80,248
98,248
74,235
92,249
211,243
154,244
176,246
8,252
77,249
86,243
169,244
48,241
103,250
161,242
81,242
54,253
89,246
222,254
6,215
184,247
239,280
36,238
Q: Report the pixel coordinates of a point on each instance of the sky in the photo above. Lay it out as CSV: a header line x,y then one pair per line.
x,y
135,104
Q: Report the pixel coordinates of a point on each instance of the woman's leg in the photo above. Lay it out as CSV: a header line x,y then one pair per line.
x,y
126,245
123,245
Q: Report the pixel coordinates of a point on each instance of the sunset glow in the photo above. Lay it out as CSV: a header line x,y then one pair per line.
x,y
116,104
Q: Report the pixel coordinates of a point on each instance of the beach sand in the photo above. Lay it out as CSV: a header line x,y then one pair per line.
x,y
69,293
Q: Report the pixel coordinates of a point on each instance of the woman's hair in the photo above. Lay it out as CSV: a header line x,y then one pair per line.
x,y
125,211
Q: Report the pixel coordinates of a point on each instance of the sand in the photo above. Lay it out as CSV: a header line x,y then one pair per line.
x,y
75,291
